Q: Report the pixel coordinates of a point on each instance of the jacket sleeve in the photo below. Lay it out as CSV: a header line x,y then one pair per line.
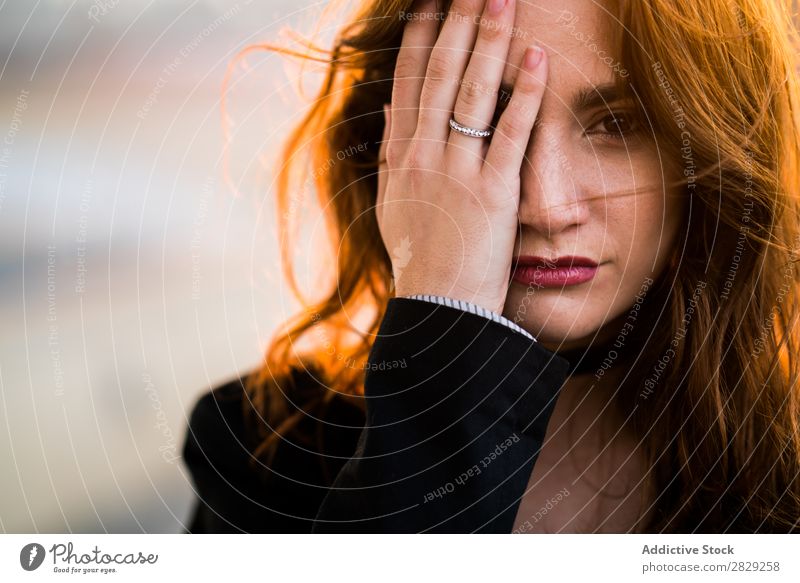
x,y
456,411
473,308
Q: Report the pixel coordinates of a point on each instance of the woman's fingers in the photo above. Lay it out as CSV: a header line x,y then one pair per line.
x,y
459,254
419,36
446,66
477,97
510,139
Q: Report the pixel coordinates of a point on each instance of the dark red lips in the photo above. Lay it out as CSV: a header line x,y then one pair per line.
x,y
565,261
531,270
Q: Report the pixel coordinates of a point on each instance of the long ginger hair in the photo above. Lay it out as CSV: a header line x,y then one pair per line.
x,y
719,419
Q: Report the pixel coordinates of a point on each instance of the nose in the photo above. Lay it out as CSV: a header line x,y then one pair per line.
x,y
550,200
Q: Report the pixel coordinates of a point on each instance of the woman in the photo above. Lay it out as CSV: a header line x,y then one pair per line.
x,y
578,230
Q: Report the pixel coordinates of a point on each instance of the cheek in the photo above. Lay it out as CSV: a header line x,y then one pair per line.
x,y
640,219
643,229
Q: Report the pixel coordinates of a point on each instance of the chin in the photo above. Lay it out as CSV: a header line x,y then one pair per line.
x,y
559,321
559,336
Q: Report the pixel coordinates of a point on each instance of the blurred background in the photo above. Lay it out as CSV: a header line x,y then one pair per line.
x,y
138,268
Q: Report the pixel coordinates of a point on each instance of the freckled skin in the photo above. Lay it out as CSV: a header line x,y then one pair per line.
x,y
576,199
575,188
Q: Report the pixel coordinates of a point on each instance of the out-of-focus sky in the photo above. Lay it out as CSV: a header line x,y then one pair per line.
x,y
133,274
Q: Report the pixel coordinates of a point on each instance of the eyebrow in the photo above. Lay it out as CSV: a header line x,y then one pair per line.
x,y
587,98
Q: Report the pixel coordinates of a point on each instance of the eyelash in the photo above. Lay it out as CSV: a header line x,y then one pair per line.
x,y
613,135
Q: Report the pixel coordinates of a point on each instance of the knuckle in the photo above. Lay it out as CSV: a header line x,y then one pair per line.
x,y
463,8
405,67
518,111
439,66
394,153
490,29
473,91
511,127
463,167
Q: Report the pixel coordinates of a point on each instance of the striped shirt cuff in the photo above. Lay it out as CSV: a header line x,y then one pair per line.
x,y
471,308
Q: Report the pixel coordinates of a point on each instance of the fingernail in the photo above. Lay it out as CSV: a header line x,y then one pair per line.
x,y
496,6
533,56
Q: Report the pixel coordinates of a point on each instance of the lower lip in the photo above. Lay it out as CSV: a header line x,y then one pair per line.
x,y
553,277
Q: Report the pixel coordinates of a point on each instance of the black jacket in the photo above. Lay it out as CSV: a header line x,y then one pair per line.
x,y
457,408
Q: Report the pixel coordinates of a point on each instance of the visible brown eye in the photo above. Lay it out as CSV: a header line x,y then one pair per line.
x,y
616,125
